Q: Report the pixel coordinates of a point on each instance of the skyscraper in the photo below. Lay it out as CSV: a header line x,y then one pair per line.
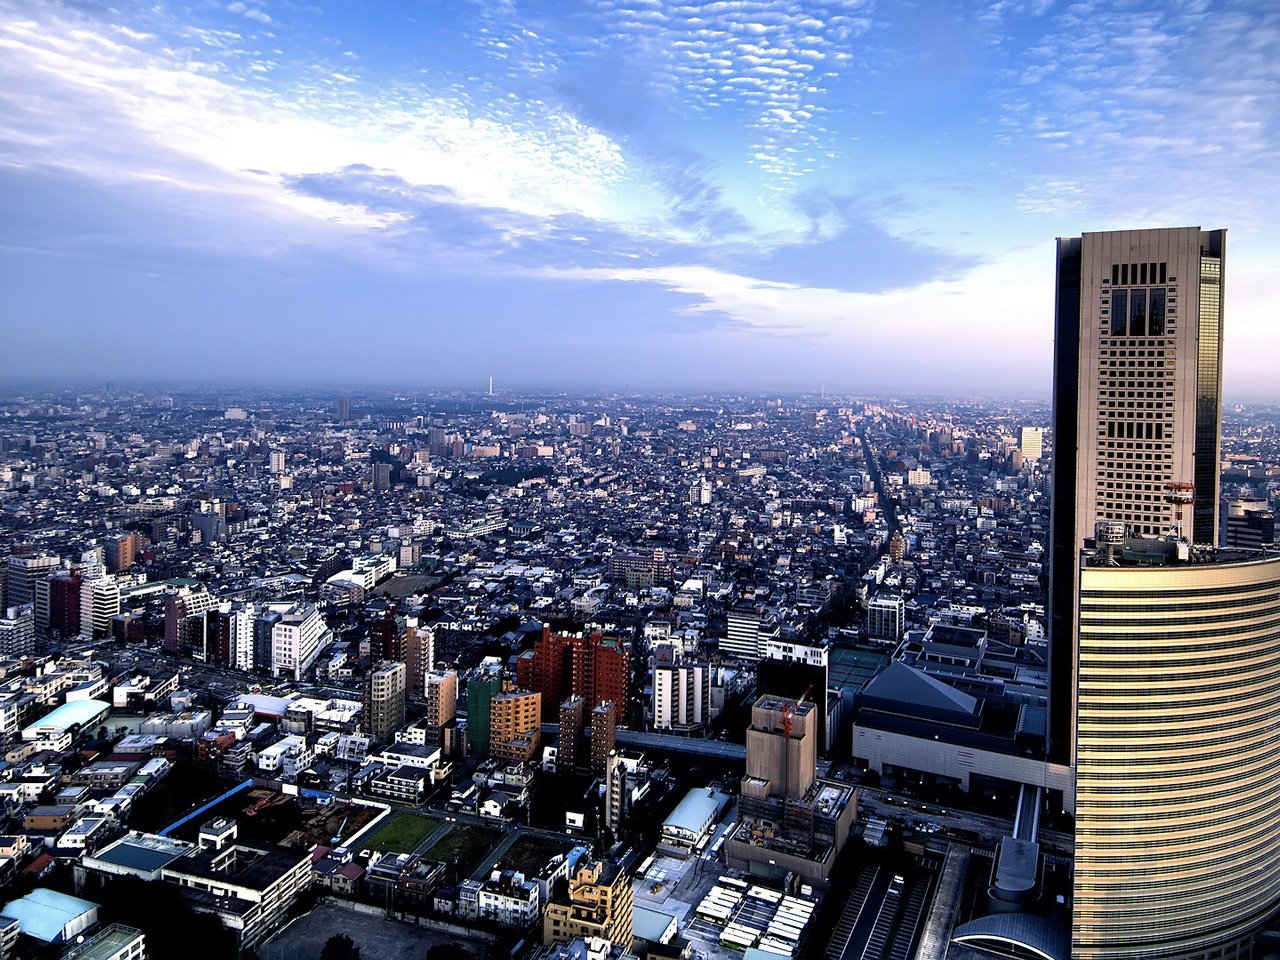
x,y
1165,684
1137,403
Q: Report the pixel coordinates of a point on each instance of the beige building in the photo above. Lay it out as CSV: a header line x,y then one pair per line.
x,y
600,904
782,749
515,730
790,821
442,702
1137,400
384,700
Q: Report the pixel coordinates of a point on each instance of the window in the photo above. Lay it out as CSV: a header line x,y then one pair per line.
x,y
1119,312
1156,314
1137,313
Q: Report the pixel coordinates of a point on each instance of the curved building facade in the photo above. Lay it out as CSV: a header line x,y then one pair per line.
x,y
1177,757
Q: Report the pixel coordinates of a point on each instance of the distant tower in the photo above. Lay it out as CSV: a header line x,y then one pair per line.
x,y
344,408
491,386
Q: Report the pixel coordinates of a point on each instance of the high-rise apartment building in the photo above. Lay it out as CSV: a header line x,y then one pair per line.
x,y
599,903
441,691
573,714
604,734
681,691
886,618
419,658
384,700
515,730
1165,684
386,636
18,631
121,552
591,666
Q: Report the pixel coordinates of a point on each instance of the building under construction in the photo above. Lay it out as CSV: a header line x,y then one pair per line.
x,y
791,822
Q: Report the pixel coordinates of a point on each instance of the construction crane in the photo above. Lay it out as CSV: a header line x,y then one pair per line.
x,y
1180,495
788,711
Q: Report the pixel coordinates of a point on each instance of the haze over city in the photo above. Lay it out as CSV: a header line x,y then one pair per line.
x,y
730,195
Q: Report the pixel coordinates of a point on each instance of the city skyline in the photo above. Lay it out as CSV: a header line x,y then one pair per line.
x,y
626,195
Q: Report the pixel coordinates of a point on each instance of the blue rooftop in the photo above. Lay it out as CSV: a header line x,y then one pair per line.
x,y
74,713
45,914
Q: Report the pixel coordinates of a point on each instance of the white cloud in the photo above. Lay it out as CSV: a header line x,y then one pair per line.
x,y
978,319
108,104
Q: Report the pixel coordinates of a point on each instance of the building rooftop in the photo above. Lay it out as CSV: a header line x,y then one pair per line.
x,y
699,806
106,945
76,713
143,852
44,913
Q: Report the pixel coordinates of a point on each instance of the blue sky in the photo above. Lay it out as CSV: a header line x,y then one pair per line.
x,y
614,193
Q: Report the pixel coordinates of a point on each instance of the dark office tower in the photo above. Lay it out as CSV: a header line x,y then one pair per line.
x,y
343,408
1137,404
380,476
64,603
604,734
387,637
218,634
572,724
263,627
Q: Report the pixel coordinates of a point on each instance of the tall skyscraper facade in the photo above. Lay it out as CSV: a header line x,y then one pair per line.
x,y
1137,399
1165,680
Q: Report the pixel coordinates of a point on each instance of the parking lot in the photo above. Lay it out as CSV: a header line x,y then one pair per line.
x,y
375,936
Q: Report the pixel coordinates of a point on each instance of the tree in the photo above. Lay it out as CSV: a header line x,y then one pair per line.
x,y
447,951
340,947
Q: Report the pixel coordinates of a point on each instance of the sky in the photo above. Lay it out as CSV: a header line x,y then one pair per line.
x,y
860,195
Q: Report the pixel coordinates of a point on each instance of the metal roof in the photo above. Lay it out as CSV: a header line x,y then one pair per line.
x,y
72,713
700,806
45,914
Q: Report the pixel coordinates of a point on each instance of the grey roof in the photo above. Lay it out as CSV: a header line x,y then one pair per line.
x,y
899,683
1041,935
143,853
700,806
651,925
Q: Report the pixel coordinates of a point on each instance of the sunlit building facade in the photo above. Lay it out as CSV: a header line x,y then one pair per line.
x,y
1177,849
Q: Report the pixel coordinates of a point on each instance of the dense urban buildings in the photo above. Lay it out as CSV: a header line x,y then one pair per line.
x,y
533,669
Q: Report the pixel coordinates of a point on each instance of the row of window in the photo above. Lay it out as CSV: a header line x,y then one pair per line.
x,y
1127,273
